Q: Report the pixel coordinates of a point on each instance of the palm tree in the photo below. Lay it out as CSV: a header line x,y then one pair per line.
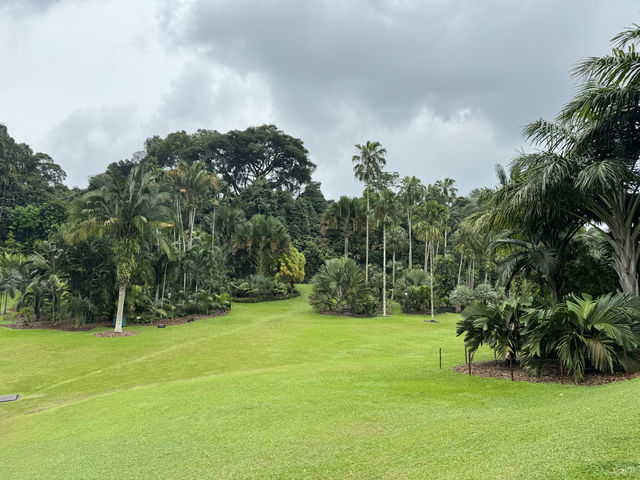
x,y
385,214
339,286
46,270
397,240
592,151
412,192
128,211
432,216
265,239
448,192
368,165
344,217
599,331
192,182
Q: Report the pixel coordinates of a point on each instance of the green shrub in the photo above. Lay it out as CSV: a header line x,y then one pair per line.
x,y
339,287
413,292
485,293
259,287
584,332
498,325
461,296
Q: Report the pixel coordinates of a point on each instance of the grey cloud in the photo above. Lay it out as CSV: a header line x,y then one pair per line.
x,y
88,140
446,86
340,72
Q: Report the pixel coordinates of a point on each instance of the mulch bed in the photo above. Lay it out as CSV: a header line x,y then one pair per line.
x,y
550,373
128,333
70,325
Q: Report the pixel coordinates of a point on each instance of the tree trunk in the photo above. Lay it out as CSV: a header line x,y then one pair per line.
x,y
164,282
346,247
460,269
192,220
445,242
431,281
473,272
410,256
213,227
6,299
157,292
625,259
384,271
393,276
426,256
121,294
366,264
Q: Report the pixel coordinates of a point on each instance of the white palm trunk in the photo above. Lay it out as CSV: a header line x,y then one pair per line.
x,y
384,271
121,294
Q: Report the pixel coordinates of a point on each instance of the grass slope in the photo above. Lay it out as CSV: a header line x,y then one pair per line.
x,y
276,391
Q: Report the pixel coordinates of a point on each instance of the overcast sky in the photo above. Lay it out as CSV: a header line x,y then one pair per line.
x,y
445,86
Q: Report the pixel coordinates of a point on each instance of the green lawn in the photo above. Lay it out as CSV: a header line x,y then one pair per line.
x,y
276,391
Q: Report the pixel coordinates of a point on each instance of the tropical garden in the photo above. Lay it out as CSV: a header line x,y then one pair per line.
x,y
539,272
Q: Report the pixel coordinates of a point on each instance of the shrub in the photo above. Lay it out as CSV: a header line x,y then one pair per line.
x,y
339,287
485,293
81,308
413,292
499,325
203,302
291,268
461,296
258,286
584,332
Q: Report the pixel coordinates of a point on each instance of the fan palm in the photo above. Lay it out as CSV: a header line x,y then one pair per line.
x,y
128,211
338,286
368,163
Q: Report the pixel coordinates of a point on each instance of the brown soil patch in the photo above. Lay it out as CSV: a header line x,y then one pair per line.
x,y
70,325
128,333
550,373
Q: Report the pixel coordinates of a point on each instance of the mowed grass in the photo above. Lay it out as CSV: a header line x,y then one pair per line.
x,y
276,391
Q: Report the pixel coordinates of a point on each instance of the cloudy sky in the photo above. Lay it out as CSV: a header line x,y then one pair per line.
x,y
446,86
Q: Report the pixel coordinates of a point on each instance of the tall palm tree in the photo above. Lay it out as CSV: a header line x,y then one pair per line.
x,y
431,218
385,211
412,193
368,163
128,211
592,151
192,181
344,217
46,270
449,192
397,240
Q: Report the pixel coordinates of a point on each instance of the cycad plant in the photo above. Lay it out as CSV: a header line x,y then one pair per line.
x,y
584,332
